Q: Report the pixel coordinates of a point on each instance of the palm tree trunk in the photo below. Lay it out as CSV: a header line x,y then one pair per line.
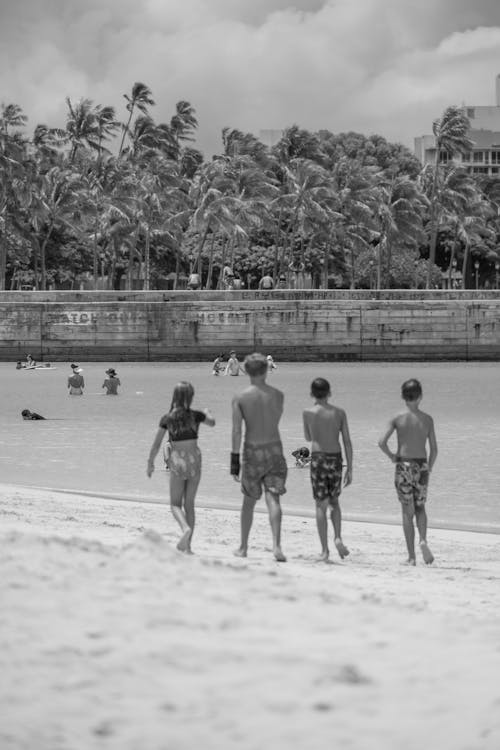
x,y
379,264
94,252
225,240
36,253
43,267
197,262
433,221
465,264
276,245
3,260
147,259
125,131
131,255
210,263
177,265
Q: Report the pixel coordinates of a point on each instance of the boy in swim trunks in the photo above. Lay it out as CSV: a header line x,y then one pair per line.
x,y
324,423
260,407
414,429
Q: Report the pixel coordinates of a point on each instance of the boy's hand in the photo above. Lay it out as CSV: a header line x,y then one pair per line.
x,y
347,477
150,469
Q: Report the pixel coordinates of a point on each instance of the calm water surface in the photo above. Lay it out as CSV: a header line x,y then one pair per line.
x,y
100,444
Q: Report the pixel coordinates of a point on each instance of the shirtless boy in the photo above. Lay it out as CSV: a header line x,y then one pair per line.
x,y
260,407
324,424
233,366
414,429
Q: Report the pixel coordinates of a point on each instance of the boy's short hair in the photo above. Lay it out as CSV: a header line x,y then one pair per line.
x,y
255,364
411,390
320,388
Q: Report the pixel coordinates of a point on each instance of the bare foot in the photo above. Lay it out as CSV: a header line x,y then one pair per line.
x,y
278,554
341,548
426,553
240,552
324,556
410,561
183,543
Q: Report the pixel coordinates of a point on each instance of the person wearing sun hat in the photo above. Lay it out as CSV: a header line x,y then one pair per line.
x,y
111,383
76,384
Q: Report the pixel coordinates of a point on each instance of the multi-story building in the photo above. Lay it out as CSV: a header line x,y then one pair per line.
x,y
484,158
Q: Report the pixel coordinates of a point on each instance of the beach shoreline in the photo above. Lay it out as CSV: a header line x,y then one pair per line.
x,y
111,638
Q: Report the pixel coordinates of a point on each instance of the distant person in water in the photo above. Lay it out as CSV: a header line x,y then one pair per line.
x,y
259,407
76,383
30,362
415,431
324,425
302,457
111,383
28,415
233,366
218,365
184,459
271,364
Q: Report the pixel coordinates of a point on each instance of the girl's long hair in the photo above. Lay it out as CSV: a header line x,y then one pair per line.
x,y
179,416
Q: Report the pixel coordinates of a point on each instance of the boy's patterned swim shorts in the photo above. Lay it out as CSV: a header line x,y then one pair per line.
x,y
411,479
326,476
263,466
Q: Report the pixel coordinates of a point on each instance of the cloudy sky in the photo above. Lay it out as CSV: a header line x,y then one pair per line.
x,y
375,66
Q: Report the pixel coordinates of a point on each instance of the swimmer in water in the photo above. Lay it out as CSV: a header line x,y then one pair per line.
x,y
233,366
28,415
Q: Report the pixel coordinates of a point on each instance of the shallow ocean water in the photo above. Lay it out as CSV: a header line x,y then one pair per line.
x,y
98,444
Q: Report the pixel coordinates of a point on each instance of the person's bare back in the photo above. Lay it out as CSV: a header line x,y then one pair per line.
x,y
323,423
413,430
261,407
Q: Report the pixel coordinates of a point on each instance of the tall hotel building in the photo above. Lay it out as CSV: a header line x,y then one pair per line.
x,y
484,158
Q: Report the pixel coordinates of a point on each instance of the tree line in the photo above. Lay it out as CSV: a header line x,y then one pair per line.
x,y
110,200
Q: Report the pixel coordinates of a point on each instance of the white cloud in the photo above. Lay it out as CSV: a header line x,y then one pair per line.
x,y
387,66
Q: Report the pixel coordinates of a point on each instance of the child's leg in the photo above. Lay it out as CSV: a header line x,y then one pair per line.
x,y
274,508
421,519
246,520
189,496
336,516
322,524
409,531
177,487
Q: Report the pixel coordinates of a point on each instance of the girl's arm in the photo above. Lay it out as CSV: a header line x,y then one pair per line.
x,y
209,420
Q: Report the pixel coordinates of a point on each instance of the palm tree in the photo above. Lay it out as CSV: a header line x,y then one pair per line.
x,y
451,137
81,125
106,126
356,201
184,122
12,160
140,98
399,213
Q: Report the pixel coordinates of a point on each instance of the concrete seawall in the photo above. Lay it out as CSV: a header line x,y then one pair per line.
x,y
301,325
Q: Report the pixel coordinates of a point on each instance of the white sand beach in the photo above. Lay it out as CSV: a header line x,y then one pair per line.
x,y
110,638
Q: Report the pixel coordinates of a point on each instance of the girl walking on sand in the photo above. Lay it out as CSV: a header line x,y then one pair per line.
x,y
182,424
